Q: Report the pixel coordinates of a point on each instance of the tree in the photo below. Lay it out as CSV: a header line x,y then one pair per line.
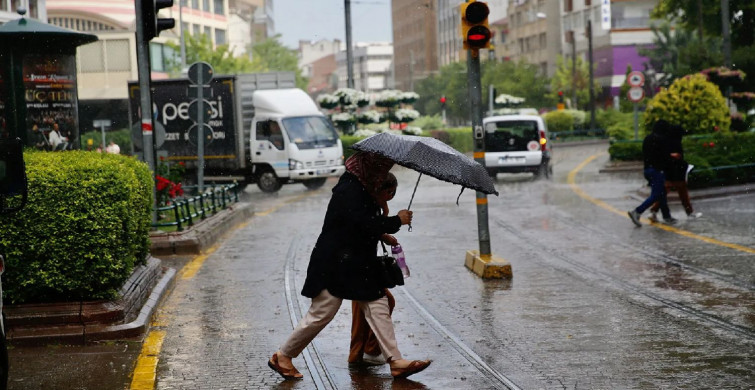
x,y
221,58
268,56
271,56
680,52
687,15
564,80
519,79
692,102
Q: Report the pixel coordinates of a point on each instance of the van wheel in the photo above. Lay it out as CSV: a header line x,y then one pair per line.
x,y
268,182
314,183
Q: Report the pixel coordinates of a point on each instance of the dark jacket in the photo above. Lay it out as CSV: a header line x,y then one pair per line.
x,y
677,170
655,147
345,256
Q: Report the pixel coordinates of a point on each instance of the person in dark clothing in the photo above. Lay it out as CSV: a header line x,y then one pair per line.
x,y
343,266
657,160
676,175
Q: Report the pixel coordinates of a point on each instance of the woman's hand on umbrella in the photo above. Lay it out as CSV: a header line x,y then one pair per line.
x,y
389,239
405,216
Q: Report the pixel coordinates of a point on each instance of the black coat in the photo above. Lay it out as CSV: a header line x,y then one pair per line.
x,y
345,256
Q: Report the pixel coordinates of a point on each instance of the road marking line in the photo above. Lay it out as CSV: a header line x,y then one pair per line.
x,y
145,372
572,183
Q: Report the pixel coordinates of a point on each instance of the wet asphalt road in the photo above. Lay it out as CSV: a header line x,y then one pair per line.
x,y
594,303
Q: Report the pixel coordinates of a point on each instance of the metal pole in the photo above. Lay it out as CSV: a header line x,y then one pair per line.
x,y
145,102
200,132
475,100
491,98
411,70
574,71
592,91
726,32
181,27
636,120
103,138
349,54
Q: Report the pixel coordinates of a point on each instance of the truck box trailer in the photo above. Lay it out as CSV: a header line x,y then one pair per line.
x,y
261,130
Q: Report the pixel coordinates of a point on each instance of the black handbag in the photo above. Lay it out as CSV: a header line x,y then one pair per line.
x,y
389,269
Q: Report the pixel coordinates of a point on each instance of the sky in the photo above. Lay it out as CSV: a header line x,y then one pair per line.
x,y
325,19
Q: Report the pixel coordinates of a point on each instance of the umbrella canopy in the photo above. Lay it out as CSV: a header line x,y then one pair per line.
x,y
431,157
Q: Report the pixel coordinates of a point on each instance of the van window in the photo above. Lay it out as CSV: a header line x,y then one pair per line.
x,y
510,135
310,132
270,131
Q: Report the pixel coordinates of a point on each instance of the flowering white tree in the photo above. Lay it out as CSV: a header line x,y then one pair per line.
x,y
507,100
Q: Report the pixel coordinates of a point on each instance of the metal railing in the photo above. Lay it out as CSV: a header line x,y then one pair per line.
x,y
186,211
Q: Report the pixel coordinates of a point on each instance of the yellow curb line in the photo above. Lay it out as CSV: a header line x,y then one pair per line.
x,y
572,183
146,364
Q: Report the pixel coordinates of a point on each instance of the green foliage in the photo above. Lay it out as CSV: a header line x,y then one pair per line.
x,y
558,121
269,56
347,141
429,122
121,137
681,52
461,139
626,150
692,102
519,79
84,228
564,80
619,125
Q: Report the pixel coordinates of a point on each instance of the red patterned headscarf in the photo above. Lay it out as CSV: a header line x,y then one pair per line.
x,y
370,168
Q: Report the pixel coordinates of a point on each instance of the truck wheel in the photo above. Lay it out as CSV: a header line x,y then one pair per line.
x,y
268,181
314,183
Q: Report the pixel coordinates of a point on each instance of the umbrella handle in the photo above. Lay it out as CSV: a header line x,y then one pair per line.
x,y
412,199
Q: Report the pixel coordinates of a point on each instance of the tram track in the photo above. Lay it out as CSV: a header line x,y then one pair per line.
x,y
318,366
537,245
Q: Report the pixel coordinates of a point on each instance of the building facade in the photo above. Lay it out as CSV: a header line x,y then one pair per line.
x,y
414,41
615,45
9,10
317,61
534,33
372,66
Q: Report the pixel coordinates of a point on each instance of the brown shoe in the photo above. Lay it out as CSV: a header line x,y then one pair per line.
x,y
286,373
414,367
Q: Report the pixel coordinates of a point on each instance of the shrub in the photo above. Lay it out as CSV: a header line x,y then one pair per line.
x,y
85,226
626,151
559,121
578,118
427,122
619,125
692,102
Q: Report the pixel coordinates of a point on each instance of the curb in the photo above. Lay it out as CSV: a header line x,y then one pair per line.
x,y
80,323
702,193
488,267
202,235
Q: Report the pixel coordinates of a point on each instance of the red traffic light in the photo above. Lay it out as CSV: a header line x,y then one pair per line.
x,y
442,99
560,93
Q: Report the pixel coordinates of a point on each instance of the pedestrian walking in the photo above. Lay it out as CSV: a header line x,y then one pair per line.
x,y
676,175
656,158
113,148
364,347
342,266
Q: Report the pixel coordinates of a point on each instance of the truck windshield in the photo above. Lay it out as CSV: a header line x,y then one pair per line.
x,y
310,132
509,136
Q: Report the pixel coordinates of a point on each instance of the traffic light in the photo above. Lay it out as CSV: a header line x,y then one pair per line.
x,y
474,25
560,96
151,22
442,102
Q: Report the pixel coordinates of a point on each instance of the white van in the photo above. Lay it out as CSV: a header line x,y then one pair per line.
x,y
292,141
517,143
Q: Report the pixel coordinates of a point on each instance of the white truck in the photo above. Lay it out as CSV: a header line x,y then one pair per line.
x,y
261,130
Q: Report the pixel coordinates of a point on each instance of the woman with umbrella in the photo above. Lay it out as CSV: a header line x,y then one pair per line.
x,y
342,266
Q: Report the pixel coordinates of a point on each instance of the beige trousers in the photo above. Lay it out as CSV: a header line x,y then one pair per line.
x,y
322,310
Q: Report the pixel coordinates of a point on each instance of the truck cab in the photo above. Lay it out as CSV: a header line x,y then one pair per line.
x,y
291,141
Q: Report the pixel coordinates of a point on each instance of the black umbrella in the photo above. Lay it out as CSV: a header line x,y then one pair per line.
x,y
432,157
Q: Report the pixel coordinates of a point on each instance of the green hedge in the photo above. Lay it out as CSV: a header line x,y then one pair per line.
x,y
85,226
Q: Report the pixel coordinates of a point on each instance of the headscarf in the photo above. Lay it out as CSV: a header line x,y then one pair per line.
x,y
370,168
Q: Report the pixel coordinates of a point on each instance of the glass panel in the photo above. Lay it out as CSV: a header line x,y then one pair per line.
x,y
91,59
118,55
310,132
510,135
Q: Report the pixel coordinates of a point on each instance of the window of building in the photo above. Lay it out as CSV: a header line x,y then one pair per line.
x,y
543,41
206,5
568,6
118,55
196,30
218,7
90,56
588,3
195,4
208,32
219,37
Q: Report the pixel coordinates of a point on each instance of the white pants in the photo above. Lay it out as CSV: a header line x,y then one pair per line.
x,y
322,310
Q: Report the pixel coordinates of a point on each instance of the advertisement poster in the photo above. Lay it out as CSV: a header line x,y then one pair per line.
x,y
51,101
174,125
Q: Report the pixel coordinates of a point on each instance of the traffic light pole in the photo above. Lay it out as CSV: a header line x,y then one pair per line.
x,y
145,102
475,101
